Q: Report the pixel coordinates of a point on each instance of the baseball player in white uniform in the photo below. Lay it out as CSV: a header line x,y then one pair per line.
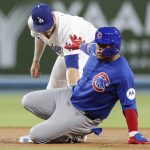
x,y
53,28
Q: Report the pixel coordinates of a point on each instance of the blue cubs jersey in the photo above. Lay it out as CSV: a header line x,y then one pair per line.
x,y
103,84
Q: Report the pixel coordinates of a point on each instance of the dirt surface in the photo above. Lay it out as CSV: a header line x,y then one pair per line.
x,y
110,138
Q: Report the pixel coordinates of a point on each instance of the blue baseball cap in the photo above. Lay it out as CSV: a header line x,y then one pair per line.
x,y
42,16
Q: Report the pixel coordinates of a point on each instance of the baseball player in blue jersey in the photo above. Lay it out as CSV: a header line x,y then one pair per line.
x,y
106,79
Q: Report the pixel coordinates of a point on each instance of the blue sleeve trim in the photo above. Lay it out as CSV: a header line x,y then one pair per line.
x,y
72,61
131,106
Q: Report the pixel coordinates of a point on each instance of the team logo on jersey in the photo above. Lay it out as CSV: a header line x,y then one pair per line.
x,y
100,82
56,49
131,94
99,35
40,20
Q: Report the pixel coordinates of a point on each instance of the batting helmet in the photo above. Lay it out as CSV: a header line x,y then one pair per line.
x,y
109,36
42,16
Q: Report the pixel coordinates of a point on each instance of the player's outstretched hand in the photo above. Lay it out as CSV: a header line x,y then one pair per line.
x,y
76,42
35,69
138,138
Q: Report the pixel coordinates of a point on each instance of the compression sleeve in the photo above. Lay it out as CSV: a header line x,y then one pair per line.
x,y
131,119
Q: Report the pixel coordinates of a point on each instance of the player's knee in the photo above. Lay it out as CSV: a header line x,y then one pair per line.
x,y
26,100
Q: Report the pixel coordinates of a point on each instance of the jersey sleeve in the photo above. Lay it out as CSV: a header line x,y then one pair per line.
x,y
67,26
30,25
88,48
126,92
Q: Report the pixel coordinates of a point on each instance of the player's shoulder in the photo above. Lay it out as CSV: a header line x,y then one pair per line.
x,y
66,16
30,23
58,13
125,64
60,19
124,68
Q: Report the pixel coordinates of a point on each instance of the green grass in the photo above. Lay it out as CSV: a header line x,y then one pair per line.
x,y
116,118
12,114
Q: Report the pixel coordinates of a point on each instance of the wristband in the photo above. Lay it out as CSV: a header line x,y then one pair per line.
x,y
72,61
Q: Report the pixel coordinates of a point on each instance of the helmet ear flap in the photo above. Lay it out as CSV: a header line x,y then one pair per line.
x,y
109,36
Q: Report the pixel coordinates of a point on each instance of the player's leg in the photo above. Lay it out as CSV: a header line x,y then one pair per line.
x,y
40,133
65,121
58,74
41,103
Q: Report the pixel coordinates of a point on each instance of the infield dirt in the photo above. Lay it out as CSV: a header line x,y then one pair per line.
x,y
109,139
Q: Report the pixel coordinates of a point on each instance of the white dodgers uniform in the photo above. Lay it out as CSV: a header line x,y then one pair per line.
x,y
66,25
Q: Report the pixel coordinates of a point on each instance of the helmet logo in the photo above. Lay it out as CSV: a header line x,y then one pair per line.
x,y
40,20
99,35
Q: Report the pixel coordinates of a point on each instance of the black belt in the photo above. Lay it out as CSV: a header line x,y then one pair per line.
x,y
90,116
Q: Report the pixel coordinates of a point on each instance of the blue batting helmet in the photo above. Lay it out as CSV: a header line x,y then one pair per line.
x,y
109,36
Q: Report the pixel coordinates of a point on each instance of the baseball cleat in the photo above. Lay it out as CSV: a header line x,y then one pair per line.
x,y
69,139
76,139
25,139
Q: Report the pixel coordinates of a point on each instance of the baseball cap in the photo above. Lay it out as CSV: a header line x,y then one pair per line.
x,y
42,16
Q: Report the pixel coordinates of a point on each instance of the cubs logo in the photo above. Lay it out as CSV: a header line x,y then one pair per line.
x,y
100,82
99,35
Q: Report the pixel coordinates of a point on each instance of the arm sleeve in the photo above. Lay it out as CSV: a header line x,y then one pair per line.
x,y
88,48
131,119
127,98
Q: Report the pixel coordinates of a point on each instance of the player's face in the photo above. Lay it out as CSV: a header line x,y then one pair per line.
x,y
100,48
48,33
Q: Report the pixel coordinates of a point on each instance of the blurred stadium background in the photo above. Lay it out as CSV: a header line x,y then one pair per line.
x,y
16,44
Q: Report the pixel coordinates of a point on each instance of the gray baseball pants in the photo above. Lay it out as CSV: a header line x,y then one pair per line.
x,y
58,74
61,117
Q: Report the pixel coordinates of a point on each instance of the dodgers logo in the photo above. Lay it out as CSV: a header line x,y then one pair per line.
x,y
56,49
100,82
40,20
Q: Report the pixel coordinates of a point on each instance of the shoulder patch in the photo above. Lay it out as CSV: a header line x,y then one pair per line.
x,y
131,94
